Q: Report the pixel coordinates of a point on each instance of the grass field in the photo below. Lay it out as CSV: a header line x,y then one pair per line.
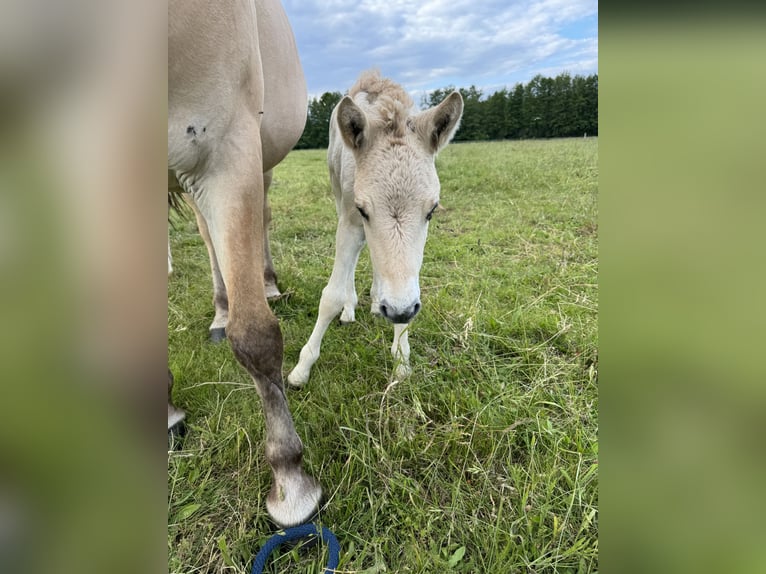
x,y
486,459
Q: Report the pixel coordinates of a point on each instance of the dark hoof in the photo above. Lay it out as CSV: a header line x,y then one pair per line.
x,y
217,335
176,435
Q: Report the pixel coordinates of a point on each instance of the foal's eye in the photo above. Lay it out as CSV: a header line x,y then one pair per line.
x,y
363,213
431,213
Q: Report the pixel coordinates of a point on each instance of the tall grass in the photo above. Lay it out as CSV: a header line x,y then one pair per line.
x,y
486,458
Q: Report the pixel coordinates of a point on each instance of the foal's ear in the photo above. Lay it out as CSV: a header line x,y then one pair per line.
x,y
352,123
437,125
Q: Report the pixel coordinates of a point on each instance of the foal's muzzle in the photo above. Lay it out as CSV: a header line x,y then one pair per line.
x,y
399,315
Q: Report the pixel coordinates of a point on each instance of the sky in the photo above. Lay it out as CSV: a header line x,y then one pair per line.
x,y
430,44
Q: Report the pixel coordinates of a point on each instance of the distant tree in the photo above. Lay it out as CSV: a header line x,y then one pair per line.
x,y
564,106
532,112
435,97
591,93
496,118
562,114
317,130
516,112
580,105
473,124
546,99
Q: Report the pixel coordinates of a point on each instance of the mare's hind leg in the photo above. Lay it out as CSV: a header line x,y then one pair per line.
x,y
339,294
232,206
220,298
269,275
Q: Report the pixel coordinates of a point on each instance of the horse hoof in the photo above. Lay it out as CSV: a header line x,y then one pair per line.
x,y
272,292
402,371
176,426
175,416
218,334
176,436
297,378
293,500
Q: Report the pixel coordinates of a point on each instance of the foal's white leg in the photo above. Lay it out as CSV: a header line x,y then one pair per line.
x,y
401,351
374,296
339,294
348,315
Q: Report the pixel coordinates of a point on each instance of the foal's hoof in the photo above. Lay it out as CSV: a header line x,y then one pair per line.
x,y
218,334
176,436
293,500
347,316
402,371
298,377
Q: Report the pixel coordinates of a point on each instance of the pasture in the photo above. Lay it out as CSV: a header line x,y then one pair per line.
x,y
486,459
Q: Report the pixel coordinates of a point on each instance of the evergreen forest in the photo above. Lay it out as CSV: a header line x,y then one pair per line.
x,y
564,106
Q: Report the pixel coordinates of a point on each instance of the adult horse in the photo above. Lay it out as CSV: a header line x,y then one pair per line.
x,y
381,161
236,106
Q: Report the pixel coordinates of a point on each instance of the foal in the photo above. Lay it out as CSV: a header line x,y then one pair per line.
x,y
381,161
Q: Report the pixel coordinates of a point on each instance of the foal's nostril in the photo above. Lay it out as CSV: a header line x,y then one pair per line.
x,y
397,315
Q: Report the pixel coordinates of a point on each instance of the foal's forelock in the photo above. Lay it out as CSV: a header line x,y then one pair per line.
x,y
386,103
392,117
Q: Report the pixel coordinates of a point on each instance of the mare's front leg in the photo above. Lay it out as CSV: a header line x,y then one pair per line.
x,y
339,294
231,203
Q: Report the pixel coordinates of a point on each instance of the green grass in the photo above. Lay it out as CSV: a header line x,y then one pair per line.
x,y
485,460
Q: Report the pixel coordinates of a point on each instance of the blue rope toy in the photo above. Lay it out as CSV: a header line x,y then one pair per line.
x,y
296,533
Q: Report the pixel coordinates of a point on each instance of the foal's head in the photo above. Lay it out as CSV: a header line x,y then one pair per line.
x,y
396,189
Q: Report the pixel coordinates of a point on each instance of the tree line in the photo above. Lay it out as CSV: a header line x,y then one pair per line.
x,y
564,106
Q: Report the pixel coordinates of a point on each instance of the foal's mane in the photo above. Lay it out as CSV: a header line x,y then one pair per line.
x,y
386,99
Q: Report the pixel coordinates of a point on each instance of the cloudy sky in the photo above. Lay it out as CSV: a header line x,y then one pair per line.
x,y
431,44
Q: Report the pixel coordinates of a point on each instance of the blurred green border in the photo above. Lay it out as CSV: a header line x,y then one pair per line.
x,y
681,281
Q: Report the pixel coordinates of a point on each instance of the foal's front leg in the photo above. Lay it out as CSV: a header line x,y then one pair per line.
x,y
374,296
339,294
401,351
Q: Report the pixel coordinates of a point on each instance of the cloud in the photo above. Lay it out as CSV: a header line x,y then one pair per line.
x,y
425,45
